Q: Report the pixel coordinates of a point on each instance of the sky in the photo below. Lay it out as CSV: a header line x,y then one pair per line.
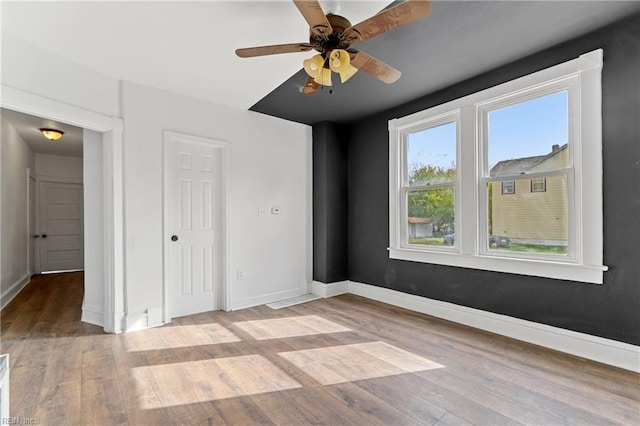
x,y
522,130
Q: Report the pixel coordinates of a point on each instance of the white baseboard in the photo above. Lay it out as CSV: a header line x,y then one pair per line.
x,y
329,290
8,295
136,322
92,315
150,318
268,298
154,316
119,323
606,351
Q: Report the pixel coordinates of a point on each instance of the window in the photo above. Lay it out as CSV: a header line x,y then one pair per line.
x,y
508,187
495,180
528,135
539,184
429,182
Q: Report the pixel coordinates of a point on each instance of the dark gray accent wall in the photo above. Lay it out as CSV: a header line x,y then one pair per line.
x,y
611,310
329,203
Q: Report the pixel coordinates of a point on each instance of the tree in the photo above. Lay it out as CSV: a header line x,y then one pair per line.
x,y
437,204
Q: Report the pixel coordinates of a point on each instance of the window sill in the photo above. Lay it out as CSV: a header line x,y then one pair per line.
x,y
538,268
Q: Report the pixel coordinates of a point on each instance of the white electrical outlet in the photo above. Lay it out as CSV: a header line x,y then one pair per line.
x,y
240,275
262,211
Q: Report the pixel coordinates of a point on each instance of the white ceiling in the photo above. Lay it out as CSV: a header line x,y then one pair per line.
x,y
183,47
188,47
28,127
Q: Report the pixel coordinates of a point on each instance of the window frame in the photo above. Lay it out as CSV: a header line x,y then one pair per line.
x,y
541,179
583,76
513,187
421,125
570,84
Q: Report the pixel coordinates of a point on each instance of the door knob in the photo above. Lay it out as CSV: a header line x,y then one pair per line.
x,y
44,235
174,238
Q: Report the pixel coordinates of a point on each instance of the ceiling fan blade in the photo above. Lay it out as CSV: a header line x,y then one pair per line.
x,y
249,52
374,67
310,86
315,17
396,16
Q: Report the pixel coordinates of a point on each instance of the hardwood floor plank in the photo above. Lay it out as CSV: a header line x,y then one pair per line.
x,y
25,386
452,420
101,403
241,411
494,352
344,360
321,408
60,403
280,408
377,409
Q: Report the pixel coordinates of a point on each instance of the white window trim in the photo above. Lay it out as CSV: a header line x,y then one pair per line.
x,y
585,263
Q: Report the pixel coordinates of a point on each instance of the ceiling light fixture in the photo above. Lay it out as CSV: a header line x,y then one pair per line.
x,y
338,60
52,134
333,36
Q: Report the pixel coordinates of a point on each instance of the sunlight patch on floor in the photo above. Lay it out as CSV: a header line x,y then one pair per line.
x,y
348,363
190,382
178,336
280,328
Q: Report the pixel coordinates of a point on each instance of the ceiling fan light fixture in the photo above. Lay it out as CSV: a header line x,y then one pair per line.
x,y
51,134
340,62
315,68
313,65
324,77
332,35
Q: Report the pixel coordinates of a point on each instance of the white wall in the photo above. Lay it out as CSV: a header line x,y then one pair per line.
x,y
34,70
57,166
270,166
93,302
15,157
30,68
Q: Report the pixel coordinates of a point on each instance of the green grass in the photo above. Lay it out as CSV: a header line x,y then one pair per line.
x,y
432,241
534,248
514,247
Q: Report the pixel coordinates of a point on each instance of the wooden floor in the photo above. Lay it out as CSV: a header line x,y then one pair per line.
x,y
339,361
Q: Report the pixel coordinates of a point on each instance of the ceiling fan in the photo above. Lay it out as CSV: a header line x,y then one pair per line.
x,y
333,35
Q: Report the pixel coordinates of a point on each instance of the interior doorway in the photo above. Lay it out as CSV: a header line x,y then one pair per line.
x,y
45,214
106,133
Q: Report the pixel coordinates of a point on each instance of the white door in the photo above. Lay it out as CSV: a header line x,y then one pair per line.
x,y
61,226
192,211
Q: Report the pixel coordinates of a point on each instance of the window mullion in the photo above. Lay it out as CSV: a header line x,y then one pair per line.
x,y
466,194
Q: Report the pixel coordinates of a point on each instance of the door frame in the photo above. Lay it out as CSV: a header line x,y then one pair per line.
x,y
111,128
224,257
32,228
